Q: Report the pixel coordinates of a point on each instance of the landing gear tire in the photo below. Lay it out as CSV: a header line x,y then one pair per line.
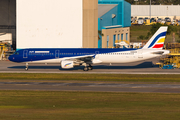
x,y
90,68
85,69
26,69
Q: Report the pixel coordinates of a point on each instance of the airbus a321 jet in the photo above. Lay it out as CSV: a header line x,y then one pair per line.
x,y
69,58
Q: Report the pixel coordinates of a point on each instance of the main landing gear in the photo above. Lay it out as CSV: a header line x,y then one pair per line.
x,y
86,68
26,67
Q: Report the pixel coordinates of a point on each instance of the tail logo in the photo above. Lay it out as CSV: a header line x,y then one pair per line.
x,y
158,41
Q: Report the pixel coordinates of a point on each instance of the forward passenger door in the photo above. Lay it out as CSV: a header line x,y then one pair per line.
x,y
25,54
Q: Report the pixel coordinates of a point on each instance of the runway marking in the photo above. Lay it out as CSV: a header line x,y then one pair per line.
x,y
70,72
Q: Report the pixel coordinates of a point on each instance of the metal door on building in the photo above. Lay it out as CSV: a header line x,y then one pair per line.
x,y
57,54
25,54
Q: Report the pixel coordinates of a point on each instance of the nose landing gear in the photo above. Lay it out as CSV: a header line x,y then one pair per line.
x,y
26,67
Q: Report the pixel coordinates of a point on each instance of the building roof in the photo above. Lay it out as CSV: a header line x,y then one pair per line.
x,y
104,8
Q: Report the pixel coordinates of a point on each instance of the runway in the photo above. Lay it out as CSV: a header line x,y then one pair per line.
x,y
90,87
144,67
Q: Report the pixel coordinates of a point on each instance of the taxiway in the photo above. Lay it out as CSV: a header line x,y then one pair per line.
x,y
145,67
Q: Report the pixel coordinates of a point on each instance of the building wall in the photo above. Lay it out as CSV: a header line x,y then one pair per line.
x,y
57,24
90,23
111,33
124,11
118,25
53,24
156,10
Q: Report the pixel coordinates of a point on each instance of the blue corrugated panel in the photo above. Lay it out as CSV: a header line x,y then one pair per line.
x,y
120,12
107,20
123,13
99,25
127,14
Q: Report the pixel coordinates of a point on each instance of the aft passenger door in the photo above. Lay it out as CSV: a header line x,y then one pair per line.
x,y
140,53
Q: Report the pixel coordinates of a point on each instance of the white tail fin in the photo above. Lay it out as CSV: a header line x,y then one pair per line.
x,y
157,40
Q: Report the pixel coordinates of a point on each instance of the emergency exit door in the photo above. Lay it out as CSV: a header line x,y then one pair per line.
x,y
57,54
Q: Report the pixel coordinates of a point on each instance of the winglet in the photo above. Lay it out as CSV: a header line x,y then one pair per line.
x,y
157,40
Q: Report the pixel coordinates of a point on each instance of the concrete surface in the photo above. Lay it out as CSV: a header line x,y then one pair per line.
x,y
144,67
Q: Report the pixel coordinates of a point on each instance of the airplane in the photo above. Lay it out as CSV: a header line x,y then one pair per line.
x,y
71,57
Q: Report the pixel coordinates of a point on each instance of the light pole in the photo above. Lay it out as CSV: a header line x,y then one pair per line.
x,y
150,11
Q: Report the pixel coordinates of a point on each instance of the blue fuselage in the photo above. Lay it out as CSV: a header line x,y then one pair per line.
x,y
27,55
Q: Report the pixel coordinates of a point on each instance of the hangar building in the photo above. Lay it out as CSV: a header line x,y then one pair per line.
x,y
65,23
114,21
161,11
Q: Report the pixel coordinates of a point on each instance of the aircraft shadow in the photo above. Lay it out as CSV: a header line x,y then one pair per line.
x,y
114,66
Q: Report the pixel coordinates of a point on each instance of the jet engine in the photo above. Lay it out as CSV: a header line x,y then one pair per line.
x,y
67,64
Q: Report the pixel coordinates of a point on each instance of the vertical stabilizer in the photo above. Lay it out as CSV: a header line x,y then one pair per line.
x,y
157,40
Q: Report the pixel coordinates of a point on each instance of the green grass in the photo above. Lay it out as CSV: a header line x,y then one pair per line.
x,y
38,105
92,77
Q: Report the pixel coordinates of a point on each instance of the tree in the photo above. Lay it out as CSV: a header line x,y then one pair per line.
x,y
156,26
141,37
176,2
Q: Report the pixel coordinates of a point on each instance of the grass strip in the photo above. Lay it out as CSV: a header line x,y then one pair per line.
x,y
91,77
17,105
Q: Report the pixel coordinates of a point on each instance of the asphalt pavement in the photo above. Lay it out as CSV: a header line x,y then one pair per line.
x,y
90,87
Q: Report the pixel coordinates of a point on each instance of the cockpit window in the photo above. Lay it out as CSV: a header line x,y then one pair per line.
x,y
16,53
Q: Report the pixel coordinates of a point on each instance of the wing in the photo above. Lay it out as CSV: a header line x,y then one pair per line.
x,y
81,59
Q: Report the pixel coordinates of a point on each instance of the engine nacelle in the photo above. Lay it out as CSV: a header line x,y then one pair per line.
x,y
65,64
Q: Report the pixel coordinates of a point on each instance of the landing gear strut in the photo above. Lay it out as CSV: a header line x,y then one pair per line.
x,y
26,67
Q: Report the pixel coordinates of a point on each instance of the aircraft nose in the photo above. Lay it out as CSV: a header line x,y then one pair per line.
x,y
11,58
